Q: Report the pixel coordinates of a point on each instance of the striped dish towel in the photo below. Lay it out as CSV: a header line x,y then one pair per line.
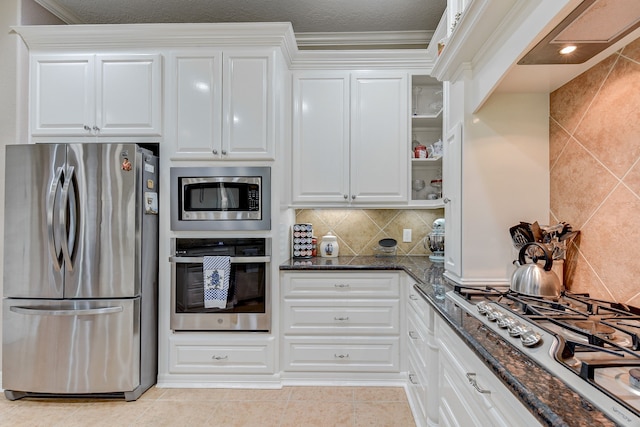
x,y
216,270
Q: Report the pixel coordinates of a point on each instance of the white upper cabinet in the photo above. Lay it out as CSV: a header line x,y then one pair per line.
x,y
95,95
220,105
320,137
349,138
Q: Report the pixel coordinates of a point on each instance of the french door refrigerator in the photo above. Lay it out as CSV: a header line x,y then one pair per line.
x,y
80,270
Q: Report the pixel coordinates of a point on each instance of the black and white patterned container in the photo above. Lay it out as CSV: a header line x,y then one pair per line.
x,y
302,241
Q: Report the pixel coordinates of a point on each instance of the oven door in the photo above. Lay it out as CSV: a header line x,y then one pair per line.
x,y
248,303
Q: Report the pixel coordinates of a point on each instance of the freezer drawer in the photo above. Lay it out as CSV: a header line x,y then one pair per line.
x,y
71,347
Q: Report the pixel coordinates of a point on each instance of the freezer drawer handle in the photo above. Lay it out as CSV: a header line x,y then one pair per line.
x,y
72,312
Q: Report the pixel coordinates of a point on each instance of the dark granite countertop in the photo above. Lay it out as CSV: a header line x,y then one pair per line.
x,y
548,398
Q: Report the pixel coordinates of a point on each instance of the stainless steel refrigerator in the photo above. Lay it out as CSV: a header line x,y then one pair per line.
x,y
80,270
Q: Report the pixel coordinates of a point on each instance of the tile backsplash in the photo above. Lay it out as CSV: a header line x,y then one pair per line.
x,y
359,230
595,174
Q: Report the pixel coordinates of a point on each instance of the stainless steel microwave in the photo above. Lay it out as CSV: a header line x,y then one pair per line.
x,y
220,198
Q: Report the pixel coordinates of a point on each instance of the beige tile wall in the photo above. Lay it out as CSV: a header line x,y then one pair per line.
x,y
359,230
595,174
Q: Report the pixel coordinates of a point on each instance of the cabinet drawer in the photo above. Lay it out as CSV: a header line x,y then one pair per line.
x,y
341,354
417,336
232,358
353,285
335,317
422,308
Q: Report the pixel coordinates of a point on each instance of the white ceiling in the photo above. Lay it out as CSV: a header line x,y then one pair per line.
x,y
306,16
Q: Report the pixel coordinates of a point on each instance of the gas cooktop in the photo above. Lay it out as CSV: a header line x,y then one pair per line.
x,y
590,344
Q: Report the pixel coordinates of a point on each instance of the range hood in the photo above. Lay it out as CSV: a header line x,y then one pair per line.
x,y
592,27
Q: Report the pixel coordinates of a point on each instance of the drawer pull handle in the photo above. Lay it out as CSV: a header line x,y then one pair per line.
x,y
341,319
413,297
341,356
412,379
214,357
413,335
341,285
472,380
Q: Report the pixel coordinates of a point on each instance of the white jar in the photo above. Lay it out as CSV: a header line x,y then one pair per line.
x,y
329,247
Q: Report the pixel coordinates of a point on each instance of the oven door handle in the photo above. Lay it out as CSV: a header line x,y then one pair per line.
x,y
234,260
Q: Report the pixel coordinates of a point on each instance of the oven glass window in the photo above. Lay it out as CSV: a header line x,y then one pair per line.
x,y
246,289
221,196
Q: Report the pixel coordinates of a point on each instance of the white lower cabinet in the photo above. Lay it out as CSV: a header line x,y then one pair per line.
x,y
470,394
195,354
422,359
347,322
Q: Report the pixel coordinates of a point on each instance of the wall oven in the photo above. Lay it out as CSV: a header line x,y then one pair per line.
x,y
220,198
248,298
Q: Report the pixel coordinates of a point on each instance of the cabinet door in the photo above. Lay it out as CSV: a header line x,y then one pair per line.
x,y
248,105
379,124
128,95
62,95
452,192
320,137
194,104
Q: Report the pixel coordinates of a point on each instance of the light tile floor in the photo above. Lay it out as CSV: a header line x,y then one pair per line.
x,y
289,406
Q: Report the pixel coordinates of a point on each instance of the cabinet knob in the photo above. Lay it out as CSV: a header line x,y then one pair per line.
x,y
345,197
86,127
224,152
446,200
215,151
353,197
96,128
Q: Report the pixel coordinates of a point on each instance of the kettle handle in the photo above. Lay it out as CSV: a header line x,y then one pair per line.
x,y
547,255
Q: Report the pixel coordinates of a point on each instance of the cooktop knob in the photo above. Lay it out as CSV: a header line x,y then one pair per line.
x,y
634,378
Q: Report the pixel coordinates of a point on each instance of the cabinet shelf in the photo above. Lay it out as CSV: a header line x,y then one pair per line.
x,y
427,160
427,120
431,204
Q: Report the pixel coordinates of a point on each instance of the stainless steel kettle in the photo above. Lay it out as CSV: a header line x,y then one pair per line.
x,y
532,279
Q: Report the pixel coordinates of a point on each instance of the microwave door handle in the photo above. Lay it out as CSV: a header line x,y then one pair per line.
x,y
70,233
234,260
56,258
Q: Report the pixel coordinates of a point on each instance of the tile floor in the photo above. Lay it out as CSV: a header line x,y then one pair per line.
x,y
289,406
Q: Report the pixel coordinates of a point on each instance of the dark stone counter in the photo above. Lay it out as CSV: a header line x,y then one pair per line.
x,y
547,397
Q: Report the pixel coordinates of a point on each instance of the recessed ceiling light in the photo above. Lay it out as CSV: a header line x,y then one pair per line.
x,y
568,49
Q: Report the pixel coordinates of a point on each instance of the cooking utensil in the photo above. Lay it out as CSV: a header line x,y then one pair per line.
x,y
531,279
521,234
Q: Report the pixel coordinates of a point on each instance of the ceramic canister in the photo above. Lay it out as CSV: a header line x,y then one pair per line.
x,y
329,246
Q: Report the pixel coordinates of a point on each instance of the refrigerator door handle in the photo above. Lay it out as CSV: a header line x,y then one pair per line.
x,y
68,203
70,312
56,258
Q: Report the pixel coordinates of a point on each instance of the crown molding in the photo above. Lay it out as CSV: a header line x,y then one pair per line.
x,y
123,36
417,60
417,39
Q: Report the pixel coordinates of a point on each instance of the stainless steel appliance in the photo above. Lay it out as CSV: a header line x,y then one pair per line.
x,y
592,345
248,304
220,198
80,270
